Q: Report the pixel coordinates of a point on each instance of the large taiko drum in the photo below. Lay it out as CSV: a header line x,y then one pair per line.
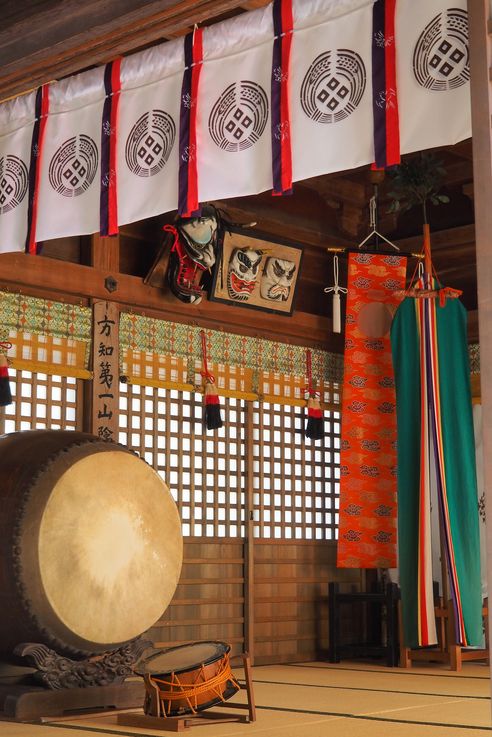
x,y
90,543
187,679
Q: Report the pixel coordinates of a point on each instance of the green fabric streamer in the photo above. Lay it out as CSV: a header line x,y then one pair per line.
x,y
459,459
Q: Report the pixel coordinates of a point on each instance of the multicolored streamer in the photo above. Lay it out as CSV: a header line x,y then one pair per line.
x,y
108,201
42,110
281,138
435,450
188,205
385,96
432,426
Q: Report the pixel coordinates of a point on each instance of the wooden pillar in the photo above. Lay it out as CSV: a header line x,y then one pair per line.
x,y
104,414
249,579
101,395
106,253
481,99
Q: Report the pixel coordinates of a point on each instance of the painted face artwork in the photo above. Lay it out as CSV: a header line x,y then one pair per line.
x,y
276,281
242,273
194,254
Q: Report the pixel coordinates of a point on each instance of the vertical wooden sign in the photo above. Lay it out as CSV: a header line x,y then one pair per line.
x,y
105,362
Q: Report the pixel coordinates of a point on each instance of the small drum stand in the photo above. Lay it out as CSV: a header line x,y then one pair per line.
x,y
155,720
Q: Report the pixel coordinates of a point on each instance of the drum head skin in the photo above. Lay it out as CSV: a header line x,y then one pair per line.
x,y
90,543
109,553
103,535
182,658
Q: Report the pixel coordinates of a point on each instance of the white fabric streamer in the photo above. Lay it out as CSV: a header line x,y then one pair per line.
x,y
70,181
148,132
432,73
331,95
16,127
234,108
477,428
331,113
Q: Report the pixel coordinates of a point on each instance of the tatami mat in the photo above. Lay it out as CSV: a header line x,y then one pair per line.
x,y
348,699
475,683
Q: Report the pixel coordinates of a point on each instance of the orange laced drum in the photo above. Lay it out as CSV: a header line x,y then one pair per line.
x,y
187,679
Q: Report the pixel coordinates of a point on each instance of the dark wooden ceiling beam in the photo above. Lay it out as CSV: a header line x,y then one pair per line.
x,y
463,149
62,37
254,4
442,239
279,220
339,188
20,271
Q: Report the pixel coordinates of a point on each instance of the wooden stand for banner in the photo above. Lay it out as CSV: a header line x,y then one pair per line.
x,y
447,651
385,601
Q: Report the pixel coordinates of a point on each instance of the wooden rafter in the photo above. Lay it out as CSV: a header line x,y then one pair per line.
x,y
21,271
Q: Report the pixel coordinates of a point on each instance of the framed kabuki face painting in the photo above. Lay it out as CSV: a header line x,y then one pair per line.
x,y
257,273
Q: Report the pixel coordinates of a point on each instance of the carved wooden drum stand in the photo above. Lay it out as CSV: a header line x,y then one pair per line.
x,y
90,546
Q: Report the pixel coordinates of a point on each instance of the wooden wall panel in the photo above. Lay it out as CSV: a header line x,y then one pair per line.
x,y
290,621
290,595
209,600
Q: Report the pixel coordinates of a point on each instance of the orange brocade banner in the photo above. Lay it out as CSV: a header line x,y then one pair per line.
x,y
368,509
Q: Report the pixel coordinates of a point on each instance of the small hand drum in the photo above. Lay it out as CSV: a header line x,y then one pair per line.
x,y
187,679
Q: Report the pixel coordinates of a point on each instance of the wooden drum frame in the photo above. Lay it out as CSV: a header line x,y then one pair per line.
x,y
187,688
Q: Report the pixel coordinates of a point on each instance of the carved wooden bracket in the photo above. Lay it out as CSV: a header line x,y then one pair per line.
x,y
55,671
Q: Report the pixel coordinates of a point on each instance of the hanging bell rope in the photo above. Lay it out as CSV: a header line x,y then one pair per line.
x,y
211,417
315,426
337,290
5,393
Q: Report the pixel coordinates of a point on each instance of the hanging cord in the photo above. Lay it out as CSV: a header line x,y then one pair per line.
x,y
172,229
373,209
337,290
442,293
5,345
208,377
309,388
417,272
373,221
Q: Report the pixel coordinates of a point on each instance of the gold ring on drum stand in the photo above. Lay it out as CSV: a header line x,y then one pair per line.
x,y
187,679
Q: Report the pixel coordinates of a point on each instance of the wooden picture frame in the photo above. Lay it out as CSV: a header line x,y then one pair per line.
x,y
256,272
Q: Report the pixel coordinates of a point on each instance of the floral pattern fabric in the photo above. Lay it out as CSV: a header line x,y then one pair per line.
x,y
368,508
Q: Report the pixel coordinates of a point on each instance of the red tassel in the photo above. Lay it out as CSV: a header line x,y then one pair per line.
x,y
315,426
212,418
211,413
5,393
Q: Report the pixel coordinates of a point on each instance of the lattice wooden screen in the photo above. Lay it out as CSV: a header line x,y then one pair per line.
x,y
204,472
296,481
41,401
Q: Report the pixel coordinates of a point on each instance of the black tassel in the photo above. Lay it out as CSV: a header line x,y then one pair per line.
x,y
212,418
5,393
315,426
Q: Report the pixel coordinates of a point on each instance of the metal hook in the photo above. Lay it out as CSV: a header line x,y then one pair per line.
x,y
373,208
